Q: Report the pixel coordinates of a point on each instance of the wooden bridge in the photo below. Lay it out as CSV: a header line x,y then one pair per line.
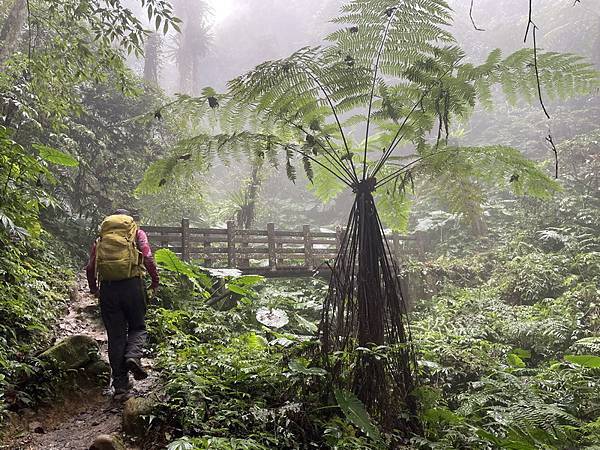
x,y
270,252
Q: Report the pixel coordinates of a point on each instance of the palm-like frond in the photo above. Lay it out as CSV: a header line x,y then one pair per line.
x,y
416,29
394,72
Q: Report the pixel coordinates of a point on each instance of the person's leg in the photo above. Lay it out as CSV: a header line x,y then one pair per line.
x,y
135,313
116,329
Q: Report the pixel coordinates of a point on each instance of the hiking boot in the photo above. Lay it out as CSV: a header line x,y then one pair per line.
x,y
134,365
123,397
123,392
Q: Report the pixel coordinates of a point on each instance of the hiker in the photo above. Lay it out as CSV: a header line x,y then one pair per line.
x,y
117,261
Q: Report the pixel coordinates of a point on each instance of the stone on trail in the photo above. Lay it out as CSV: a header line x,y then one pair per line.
x,y
133,411
36,427
98,370
107,442
72,352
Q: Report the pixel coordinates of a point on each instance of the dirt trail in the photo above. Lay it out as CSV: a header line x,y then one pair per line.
x,y
73,422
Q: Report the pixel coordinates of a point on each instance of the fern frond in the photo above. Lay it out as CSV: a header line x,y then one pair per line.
x,y
416,28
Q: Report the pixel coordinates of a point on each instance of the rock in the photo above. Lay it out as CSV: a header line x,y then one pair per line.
x,y
36,427
98,370
134,408
107,442
72,352
74,294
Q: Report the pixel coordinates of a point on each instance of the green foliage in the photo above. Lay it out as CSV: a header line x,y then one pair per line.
x,y
508,347
22,179
33,292
588,361
55,156
215,443
494,374
168,260
305,107
232,382
64,100
355,411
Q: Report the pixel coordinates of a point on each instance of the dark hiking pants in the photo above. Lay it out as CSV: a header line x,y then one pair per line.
x,y
123,308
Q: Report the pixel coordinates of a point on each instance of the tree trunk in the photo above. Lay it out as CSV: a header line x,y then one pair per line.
x,y
365,313
247,212
252,195
152,59
11,29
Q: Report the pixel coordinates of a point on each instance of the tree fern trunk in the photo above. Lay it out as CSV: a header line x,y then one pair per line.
x,y
365,308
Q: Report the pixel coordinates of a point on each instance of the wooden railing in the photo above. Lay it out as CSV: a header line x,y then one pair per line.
x,y
270,252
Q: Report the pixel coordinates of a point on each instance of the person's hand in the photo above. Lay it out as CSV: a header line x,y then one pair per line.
x,y
151,293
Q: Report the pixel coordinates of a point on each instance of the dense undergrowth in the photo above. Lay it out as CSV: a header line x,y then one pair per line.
x,y
34,290
507,329
502,342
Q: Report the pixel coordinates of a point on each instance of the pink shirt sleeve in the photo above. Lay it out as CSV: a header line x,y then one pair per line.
x,y
143,244
90,270
149,264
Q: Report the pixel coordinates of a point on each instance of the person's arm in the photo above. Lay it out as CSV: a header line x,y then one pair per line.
x,y
90,271
149,263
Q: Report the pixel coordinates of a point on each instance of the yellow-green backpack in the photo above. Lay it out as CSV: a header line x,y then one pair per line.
x,y
117,254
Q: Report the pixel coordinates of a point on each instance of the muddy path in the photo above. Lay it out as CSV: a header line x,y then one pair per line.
x,y
84,412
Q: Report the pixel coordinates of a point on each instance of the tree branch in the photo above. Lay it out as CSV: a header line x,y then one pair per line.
x,y
550,141
397,138
316,161
403,168
531,25
473,20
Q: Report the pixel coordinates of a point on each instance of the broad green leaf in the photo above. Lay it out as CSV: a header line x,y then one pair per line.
x,y
300,366
441,415
237,289
356,413
248,280
254,341
488,436
515,360
522,353
55,156
168,260
589,361
272,317
181,444
306,324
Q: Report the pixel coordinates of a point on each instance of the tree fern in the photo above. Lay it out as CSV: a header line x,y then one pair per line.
x,y
393,72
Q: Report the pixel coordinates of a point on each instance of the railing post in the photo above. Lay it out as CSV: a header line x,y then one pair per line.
x,y
207,259
308,247
396,247
419,244
231,244
271,244
244,260
185,239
